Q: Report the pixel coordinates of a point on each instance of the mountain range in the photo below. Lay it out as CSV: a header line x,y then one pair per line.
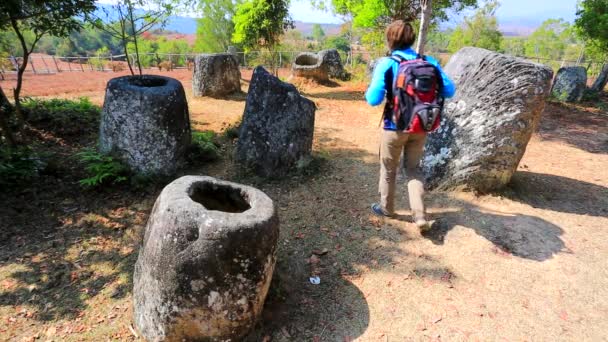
x,y
510,25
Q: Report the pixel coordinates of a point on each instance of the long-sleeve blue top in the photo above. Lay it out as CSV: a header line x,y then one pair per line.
x,y
377,89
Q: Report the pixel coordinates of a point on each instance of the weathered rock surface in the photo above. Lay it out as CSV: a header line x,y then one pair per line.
x,y
331,59
206,262
570,84
277,128
216,75
487,125
145,122
319,66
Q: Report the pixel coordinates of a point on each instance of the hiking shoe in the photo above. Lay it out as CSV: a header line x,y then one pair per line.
x,y
422,224
378,211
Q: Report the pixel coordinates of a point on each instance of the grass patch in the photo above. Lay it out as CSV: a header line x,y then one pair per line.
x,y
63,116
204,147
19,165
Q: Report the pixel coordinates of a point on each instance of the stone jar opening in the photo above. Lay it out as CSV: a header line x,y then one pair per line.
x,y
147,81
219,197
306,60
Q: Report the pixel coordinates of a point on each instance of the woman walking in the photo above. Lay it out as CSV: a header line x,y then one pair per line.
x,y
395,137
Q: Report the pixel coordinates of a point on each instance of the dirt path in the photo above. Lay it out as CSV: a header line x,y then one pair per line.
x,y
528,263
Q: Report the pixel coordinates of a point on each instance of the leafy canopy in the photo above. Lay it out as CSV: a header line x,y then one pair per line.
x,y
479,30
260,23
56,17
378,13
214,30
592,23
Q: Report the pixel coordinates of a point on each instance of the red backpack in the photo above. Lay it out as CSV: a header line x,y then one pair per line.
x,y
416,103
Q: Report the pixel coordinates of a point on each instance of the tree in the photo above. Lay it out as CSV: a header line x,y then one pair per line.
x,y
214,30
425,19
374,15
126,20
592,24
317,33
260,24
40,18
515,46
549,40
479,30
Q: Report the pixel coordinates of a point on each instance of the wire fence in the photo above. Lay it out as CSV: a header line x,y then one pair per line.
x,y
46,64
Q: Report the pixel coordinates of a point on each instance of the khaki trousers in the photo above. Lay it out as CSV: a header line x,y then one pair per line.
x,y
392,145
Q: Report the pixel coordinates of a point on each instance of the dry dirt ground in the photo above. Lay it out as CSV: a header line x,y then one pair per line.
x,y
525,264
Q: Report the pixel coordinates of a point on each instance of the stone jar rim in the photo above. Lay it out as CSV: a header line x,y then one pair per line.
x,y
261,207
159,85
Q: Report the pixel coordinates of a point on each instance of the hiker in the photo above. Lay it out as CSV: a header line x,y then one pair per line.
x,y
407,119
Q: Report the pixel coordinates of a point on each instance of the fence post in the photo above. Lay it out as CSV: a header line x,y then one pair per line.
x,y
244,59
32,64
69,65
80,62
56,65
48,71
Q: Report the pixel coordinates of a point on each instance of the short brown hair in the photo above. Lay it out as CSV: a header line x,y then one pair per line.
x,y
400,35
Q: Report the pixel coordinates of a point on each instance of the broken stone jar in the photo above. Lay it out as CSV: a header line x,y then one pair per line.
x,y
206,262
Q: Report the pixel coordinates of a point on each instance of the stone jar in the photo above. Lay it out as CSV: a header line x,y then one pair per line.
x,y
216,75
145,123
487,125
277,129
570,84
206,262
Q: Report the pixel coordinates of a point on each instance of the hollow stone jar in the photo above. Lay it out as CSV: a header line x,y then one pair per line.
x,y
206,263
145,122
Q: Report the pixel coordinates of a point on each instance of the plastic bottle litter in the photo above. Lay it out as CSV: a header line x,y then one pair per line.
x,y
315,280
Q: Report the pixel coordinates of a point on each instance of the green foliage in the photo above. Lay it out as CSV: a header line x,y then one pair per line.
x,y
339,43
203,146
317,33
44,17
60,112
549,40
260,23
19,165
376,14
514,46
214,30
102,169
479,30
592,23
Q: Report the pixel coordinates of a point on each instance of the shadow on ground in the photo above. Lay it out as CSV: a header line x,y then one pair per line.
x,y
523,236
576,126
558,193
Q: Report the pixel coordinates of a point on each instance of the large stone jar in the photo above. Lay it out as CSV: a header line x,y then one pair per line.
x,y
488,124
277,128
145,123
216,75
570,84
206,262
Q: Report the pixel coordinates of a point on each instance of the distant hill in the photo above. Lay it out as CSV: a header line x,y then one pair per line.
x,y
306,28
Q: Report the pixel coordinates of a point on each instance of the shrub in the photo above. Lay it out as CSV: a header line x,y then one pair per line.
x,y
203,146
102,169
117,66
66,116
19,165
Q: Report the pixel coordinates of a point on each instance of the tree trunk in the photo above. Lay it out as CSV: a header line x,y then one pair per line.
x,y
425,19
20,72
5,109
134,38
600,83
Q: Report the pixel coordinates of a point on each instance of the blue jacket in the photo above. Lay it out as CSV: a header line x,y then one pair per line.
x,y
377,89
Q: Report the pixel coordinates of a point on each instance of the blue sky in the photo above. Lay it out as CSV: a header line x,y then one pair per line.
x,y
526,10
